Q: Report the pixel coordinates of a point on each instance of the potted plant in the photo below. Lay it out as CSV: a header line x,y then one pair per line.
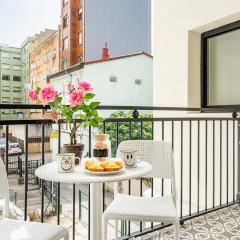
x,y
78,110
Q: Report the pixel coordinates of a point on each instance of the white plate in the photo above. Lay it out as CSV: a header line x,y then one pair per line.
x,y
104,173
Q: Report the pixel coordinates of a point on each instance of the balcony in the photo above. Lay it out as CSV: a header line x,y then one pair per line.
x,y
206,157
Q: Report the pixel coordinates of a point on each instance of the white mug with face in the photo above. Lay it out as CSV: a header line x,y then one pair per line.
x,y
66,162
129,157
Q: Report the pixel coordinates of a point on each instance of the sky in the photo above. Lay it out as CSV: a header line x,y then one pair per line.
x,y
22,18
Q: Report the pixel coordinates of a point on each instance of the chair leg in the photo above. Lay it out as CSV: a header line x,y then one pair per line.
x,y
66,237
105,228
176,228
116,229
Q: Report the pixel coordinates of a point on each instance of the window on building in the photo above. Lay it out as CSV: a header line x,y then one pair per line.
x,y
6,77
5,66
113,78
6,111
65,64
16,57
80,13
5,55
17,78
220,66
80,59
5,99
138,81
5,88
65,2
17,68
17,89
65,21
80,38
16,100
65,43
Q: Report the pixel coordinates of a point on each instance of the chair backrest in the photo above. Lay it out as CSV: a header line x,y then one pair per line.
x,y
4,188
158,153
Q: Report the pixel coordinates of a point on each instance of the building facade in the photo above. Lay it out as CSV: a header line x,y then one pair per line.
x,y
71,36
44,60
124,80
87,25
12,82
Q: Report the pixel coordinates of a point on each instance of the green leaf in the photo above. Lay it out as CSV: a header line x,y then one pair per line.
x,y
89,96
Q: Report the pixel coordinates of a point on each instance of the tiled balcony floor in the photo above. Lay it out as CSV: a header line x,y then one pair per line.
x,y
223,224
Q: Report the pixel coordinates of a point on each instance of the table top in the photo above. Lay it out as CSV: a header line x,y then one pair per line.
x,y
49,172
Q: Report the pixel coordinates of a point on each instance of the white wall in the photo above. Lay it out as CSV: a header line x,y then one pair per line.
x,y
124,91
177,26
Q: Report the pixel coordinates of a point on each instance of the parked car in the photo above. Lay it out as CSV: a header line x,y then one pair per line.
x,y
14,148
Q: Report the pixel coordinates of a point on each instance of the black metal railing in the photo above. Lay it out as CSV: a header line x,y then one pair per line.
x,y
205,151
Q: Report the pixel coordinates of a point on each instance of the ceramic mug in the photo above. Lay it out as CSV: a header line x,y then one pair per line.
x,y
129,157
66,162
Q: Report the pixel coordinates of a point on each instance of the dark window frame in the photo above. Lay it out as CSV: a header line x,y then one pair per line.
x,y
204,61
4,75
19,78
65,21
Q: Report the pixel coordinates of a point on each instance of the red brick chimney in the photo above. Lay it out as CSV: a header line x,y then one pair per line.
x,y
105,54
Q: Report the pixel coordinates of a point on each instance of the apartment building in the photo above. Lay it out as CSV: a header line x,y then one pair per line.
x,y
87,25
44,60
12,83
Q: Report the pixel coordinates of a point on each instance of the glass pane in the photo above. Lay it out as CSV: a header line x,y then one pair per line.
x,y
223,69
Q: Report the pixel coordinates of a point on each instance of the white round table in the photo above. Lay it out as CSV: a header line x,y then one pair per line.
x,y
49,172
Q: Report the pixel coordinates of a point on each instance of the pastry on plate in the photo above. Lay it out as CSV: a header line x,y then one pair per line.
x,y
95,167
111,166
104,163
88,163
119,163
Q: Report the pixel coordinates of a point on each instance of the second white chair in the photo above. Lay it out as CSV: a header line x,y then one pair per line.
x,y
15,229
146,209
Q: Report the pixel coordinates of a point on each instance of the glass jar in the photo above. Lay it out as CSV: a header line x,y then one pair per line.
x,y
101,147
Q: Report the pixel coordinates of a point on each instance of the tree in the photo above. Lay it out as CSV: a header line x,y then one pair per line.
x,y
127,130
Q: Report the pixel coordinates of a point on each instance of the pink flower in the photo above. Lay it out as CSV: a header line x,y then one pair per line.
x,y
75,98
85,86
47,95
32,96
55,116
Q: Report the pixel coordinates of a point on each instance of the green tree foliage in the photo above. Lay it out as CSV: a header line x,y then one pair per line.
x,y
127,130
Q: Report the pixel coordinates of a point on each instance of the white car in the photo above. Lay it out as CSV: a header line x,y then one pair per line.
x,y
14,148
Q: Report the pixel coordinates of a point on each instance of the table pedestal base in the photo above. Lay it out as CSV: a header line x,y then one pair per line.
x,y
96,211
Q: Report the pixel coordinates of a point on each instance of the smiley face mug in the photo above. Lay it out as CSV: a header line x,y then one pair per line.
x,y
66,162
129,157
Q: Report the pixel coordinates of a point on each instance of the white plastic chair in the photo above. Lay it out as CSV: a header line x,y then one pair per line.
x,y
15,230
146,209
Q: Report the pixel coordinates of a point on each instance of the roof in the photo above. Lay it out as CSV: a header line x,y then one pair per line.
x,y
119,57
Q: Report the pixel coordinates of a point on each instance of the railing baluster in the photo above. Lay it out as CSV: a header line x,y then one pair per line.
x,y
89,195
198,164
206,165
220,185
74,202
181,174
234,126
213,163
190,168
7,147
58,184
227,162
42,181
163,140
26,174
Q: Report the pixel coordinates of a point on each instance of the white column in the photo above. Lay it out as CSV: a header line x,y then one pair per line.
x,y
96,210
